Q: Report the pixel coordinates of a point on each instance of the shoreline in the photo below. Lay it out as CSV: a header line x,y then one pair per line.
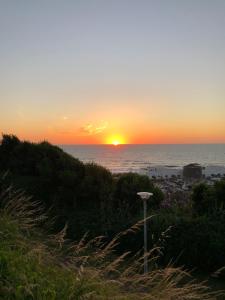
x,y
169,171
156,160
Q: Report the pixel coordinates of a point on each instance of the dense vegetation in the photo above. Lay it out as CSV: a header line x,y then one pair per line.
x,y
88,198
34,265
197,236
85,196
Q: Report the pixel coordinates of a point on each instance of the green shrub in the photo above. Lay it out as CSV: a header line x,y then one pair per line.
x,y
85,196
194,241
40,267
208,199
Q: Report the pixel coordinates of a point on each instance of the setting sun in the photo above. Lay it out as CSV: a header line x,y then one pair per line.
x,y
115,140
115,143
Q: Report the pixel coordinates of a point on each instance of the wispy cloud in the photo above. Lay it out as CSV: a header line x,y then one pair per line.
x,y
92,129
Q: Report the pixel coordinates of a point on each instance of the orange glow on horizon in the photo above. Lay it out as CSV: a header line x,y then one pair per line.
x,y
118,134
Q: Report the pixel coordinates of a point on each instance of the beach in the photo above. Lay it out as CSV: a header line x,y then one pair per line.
x,y
153,160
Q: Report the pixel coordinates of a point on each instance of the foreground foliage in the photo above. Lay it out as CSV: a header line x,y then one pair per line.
x,y
85,196
88,198
34,265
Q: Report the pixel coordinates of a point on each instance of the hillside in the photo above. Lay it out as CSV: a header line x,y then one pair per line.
x,y
34,265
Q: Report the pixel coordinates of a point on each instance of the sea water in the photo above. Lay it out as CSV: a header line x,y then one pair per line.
x,y
136,158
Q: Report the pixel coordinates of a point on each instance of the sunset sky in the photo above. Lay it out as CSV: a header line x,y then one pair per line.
x,y
97,71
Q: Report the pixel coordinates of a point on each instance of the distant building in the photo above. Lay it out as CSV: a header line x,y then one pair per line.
x,y
192,172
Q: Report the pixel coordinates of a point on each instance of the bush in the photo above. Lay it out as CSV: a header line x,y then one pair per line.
x,y
194,241
127,204
85,196
208,199
36,266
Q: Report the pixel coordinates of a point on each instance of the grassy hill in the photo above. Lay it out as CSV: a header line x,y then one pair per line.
x,y
36,265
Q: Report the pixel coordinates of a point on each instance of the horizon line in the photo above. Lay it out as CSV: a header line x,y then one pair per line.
x,y
136,144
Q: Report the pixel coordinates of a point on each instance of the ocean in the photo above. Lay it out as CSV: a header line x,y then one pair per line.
x,y
136,158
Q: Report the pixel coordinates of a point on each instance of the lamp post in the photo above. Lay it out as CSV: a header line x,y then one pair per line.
x,y
145,196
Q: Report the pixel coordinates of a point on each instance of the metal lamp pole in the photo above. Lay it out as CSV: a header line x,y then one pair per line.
x,y
145,196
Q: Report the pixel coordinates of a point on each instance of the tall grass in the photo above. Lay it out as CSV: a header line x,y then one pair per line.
x,y
36,265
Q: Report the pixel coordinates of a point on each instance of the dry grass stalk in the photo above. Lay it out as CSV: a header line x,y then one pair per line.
x,y
89,260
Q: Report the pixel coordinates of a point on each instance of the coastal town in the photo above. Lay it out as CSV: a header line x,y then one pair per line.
x,y
176,183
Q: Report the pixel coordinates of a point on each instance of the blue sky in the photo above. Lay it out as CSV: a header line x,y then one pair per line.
x,y
149,66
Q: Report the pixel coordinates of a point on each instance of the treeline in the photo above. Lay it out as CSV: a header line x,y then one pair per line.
x,y
86,197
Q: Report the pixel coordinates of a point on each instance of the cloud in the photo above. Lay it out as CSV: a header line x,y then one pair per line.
x,y
92,129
